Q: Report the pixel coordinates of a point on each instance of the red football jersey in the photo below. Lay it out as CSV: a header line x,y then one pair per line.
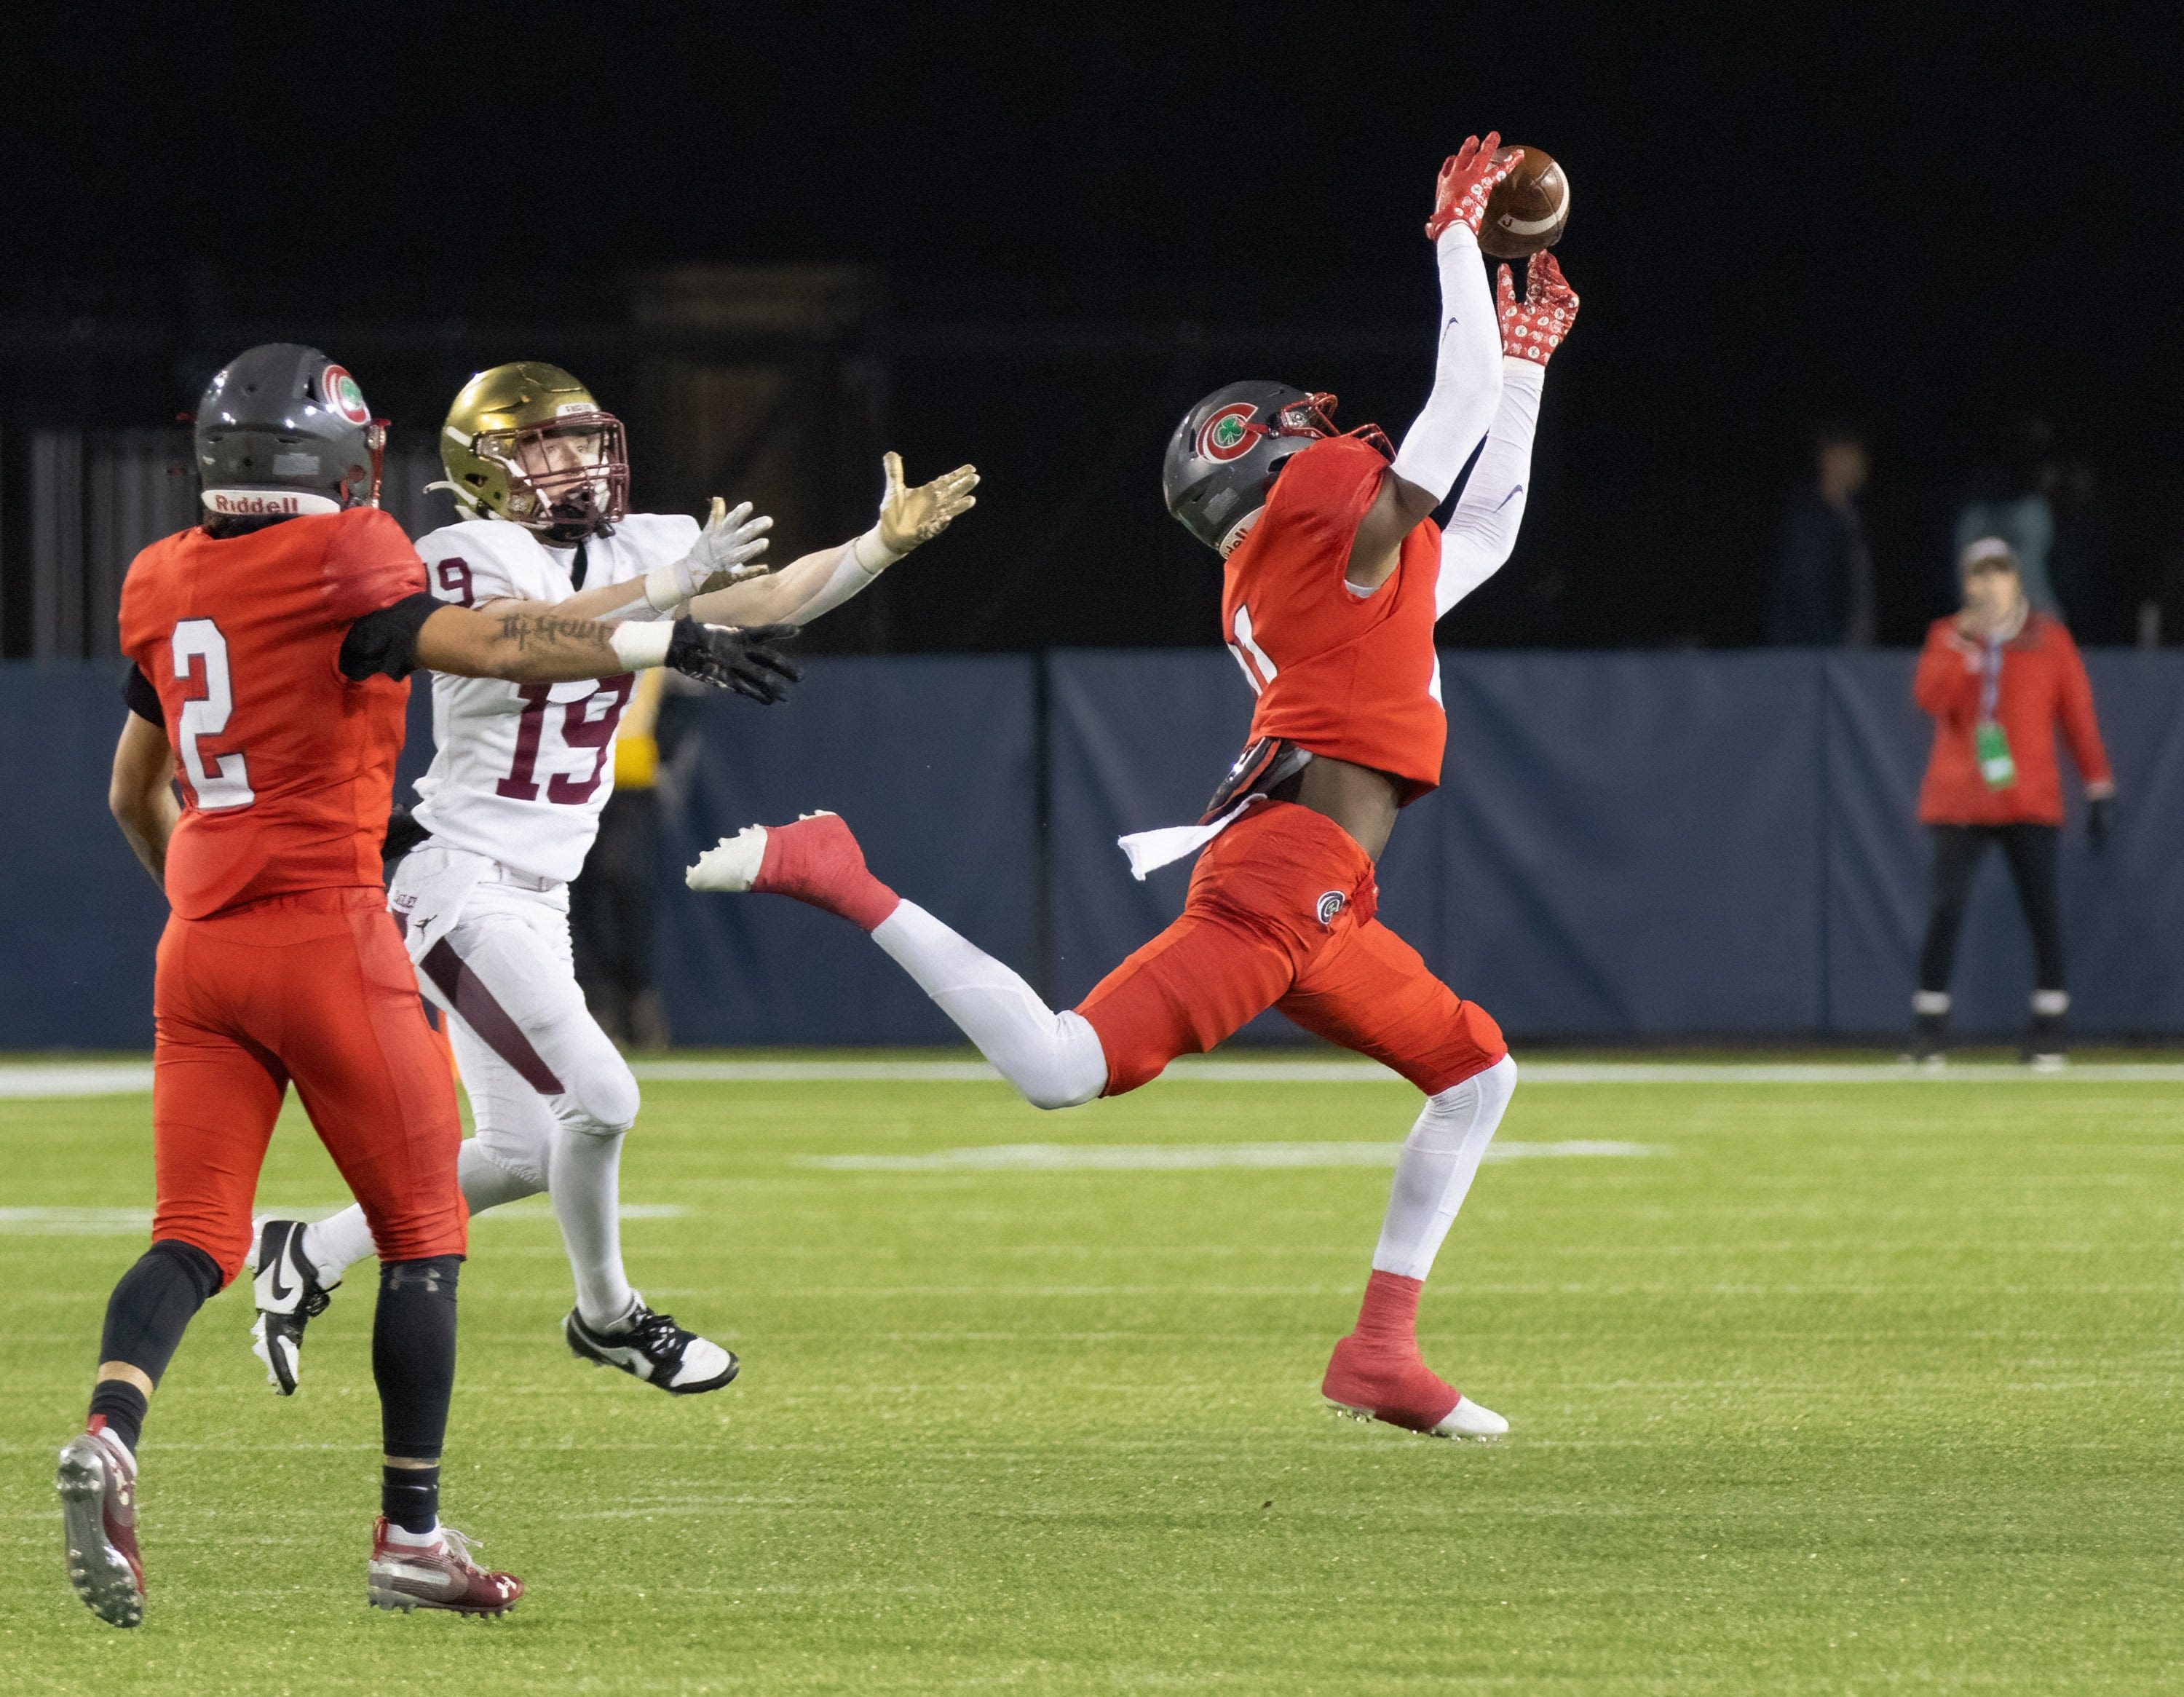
x,y
287,766
1352,677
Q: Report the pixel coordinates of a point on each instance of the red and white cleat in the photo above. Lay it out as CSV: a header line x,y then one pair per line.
x,y
436,1575
97,1480
816,860
1400,1390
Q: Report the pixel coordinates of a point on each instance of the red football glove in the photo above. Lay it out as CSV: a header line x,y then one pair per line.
x,y
1468,177
1534,327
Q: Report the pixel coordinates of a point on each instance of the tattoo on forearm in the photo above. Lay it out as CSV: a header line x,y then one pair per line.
x,y
529,630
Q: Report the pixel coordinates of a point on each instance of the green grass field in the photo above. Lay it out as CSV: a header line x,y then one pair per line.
x,y
1837,1386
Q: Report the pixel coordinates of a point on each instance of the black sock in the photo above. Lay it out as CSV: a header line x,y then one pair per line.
x,y
146,1316
122,1406
413,1362
409,1498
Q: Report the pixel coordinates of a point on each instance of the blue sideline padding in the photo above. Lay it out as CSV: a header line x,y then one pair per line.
x,y
931,760
79,918
1625,845
1568,874
2123,912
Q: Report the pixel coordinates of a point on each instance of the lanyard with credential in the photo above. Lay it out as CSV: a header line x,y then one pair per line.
x,y
1990,744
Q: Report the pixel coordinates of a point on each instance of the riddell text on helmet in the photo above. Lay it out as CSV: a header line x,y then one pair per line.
x,y
246,503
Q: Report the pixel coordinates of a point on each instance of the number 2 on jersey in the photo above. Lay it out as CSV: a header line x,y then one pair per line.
x,y
224,782
579,730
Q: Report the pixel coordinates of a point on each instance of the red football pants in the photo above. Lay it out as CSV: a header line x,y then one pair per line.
x,y
1280,914
313,988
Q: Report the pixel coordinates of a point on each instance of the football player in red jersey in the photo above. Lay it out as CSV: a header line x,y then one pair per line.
x,y
271,647
1335,575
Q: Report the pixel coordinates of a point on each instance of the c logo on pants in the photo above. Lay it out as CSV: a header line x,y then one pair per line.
x,y
1330,904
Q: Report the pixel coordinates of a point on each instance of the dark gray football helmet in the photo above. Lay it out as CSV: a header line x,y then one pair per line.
x,y
284,430
1222,458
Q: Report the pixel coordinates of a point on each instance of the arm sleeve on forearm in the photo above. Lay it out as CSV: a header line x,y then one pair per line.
x,y
1467,372
848,578
1483,528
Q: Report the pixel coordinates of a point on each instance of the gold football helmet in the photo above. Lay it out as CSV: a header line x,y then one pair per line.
x,y
528,443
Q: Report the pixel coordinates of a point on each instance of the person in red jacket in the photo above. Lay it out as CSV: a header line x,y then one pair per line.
x,y
1998,677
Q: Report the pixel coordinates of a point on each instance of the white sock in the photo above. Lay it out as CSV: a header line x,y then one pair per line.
x,y
587,1192
1055,1058
337,1243
334,1244
413,1540
1436,1166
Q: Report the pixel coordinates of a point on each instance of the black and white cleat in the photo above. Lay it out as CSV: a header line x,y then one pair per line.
x,y
289,1296
652,1347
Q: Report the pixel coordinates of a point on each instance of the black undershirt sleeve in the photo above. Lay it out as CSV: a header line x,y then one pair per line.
x,y
143,700
384,644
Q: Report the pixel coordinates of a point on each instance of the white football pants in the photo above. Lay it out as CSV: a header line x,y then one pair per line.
x,y
551,1096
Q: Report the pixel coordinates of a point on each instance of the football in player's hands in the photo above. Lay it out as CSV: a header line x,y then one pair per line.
x,y
911,516
1468,178
1529,208
741,657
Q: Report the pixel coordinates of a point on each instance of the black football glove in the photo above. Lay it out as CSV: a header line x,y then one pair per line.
x,y
2096,821
741,657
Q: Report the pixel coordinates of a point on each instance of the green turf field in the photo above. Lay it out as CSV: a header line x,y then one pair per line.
x,y
1834,1387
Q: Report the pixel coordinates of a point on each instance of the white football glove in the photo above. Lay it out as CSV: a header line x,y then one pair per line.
x,y
728,552
910,517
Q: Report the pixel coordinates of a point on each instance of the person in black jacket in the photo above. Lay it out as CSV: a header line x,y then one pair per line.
x,y
1823,588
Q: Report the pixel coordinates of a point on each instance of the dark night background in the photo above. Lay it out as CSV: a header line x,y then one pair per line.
x,y
1917,217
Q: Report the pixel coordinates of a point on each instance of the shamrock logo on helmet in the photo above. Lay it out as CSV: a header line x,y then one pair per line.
x,y
343,395
1228,435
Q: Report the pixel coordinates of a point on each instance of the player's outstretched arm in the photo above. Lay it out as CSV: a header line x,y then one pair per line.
x,y
910,517
728,550
140,793
527,641
1466,368
1483,529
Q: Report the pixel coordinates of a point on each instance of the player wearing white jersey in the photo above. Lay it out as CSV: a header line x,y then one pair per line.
x,y
511,806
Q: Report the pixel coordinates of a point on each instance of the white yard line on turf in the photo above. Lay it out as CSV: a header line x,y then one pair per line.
x,y
106,1222
46,1079
1368,1072
1176,1157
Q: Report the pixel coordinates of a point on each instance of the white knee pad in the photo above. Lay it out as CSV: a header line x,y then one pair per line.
x,y
1065,1072
1479,1101
600,1098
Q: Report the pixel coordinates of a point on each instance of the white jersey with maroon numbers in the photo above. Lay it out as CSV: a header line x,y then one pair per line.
x,y
521,771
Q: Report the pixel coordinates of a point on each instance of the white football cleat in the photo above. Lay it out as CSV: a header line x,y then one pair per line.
x,y
1468,1420
732,865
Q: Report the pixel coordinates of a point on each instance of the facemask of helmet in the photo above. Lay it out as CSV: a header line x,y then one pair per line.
x,y
568,479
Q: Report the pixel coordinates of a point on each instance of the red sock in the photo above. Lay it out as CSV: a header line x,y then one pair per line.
x,y
817,860
1388,1319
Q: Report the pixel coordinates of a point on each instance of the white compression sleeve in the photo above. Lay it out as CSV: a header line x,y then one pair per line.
x,y
1467,372
850,576
1483,528
1055,1058
1435,1168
